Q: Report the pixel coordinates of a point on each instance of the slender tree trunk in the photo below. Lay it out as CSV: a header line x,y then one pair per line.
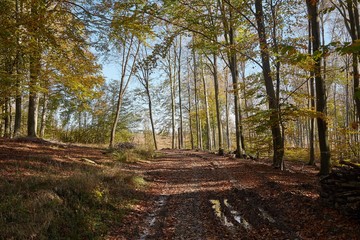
x,y
278,148
347,108
200,135
145,69
116,119
320,91
18,105
18,96
172,92
10,118
151,117
33,94
181,134
312,105
123,83
277,75
217,103
6,117
353,13
356,87
208,125
232,59
44,115
235,77
198,125
190,116
228,137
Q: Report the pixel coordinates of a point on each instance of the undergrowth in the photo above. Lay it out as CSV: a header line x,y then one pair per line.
x,y
84,205
298,154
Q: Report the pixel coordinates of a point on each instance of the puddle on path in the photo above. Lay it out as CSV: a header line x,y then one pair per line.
x,y
151,219
220,213
265,215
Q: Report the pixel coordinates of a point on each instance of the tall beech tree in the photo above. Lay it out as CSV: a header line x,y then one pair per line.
x,y
179,68
129,49
278,143
145,68
349,10
229,28
312,6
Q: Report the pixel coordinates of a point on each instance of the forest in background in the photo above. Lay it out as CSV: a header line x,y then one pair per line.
x,y
263,78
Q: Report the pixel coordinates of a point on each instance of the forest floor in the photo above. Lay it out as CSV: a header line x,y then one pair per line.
x,y
198,195
188,195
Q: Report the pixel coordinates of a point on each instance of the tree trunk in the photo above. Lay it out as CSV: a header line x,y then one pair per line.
x,y
124,82
18,96
320,91
312,105
44,115
116,119
353,13
217,103
232,59
172,92
33,94
198,125
190,117
208,125
181,135
151,117
228,138
278,148
6,117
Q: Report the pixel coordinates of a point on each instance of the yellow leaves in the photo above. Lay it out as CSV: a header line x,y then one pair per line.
x,y
291,55
129,18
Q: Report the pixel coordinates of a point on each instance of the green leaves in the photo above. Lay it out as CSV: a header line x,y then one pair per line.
x,y
349,48
291,55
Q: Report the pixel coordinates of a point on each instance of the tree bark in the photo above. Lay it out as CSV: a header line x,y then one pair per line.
x,y
278,147
151,117
320,90
44,115
18,103
190,117
208,125
6,117
123,83
172,92
198,125
232,59
181,134
34,67
312,104
217,103
33,93
18,96
227,112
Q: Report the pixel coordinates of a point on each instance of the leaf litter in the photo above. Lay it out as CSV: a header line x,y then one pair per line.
x,y
213,197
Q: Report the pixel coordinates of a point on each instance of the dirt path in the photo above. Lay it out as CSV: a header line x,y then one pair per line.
x,y
196,195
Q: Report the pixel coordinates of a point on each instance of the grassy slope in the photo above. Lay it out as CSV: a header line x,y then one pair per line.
x,y
56,191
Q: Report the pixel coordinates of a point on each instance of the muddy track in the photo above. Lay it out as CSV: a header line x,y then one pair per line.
x,y
197,195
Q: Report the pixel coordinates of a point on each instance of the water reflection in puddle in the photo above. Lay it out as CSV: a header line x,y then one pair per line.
x,y
152,217
220,213
266,215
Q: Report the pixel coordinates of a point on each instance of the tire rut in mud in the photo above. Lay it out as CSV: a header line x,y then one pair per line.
x,y
206,200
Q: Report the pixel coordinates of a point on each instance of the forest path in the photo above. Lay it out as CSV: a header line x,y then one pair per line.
x,y
198,195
